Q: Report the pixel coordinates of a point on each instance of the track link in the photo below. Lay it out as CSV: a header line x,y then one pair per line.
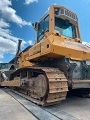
x,y
48,87
57,85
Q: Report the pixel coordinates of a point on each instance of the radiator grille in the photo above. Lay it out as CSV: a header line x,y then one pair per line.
x,y
63,11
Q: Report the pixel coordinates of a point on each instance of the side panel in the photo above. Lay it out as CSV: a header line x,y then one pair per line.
x,y
39,50
45,47
70,49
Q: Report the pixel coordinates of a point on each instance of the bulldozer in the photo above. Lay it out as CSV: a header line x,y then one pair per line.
x,y
56,63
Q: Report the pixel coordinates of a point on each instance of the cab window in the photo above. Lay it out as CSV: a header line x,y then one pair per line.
x,y
43,27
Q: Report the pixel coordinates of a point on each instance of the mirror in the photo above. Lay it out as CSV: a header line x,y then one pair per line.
x,y
35,25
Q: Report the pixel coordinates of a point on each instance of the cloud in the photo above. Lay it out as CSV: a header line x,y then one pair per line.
x,y
27,2
30,42
86,43
6,33
1,55
9,13
8,46
8,42
3,24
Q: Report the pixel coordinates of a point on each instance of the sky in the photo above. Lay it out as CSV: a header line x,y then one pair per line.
x,y
16,17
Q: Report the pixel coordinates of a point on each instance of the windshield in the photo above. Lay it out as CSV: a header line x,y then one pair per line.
x,y
65,28
43,27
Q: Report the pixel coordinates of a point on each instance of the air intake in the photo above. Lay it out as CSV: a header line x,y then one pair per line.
x,y
70,14
63,11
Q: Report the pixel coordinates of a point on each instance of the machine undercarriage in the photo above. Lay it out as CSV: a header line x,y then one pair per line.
x,y
49,85
43,85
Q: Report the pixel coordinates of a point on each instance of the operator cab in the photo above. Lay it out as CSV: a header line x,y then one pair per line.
x,y
58,19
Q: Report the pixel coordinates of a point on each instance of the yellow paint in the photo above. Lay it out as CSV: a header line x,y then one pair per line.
x,y
54,45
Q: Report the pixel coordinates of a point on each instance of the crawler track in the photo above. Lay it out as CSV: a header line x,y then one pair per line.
x,y
45,86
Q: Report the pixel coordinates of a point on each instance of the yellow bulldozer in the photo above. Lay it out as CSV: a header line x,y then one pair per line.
x,y
57,63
